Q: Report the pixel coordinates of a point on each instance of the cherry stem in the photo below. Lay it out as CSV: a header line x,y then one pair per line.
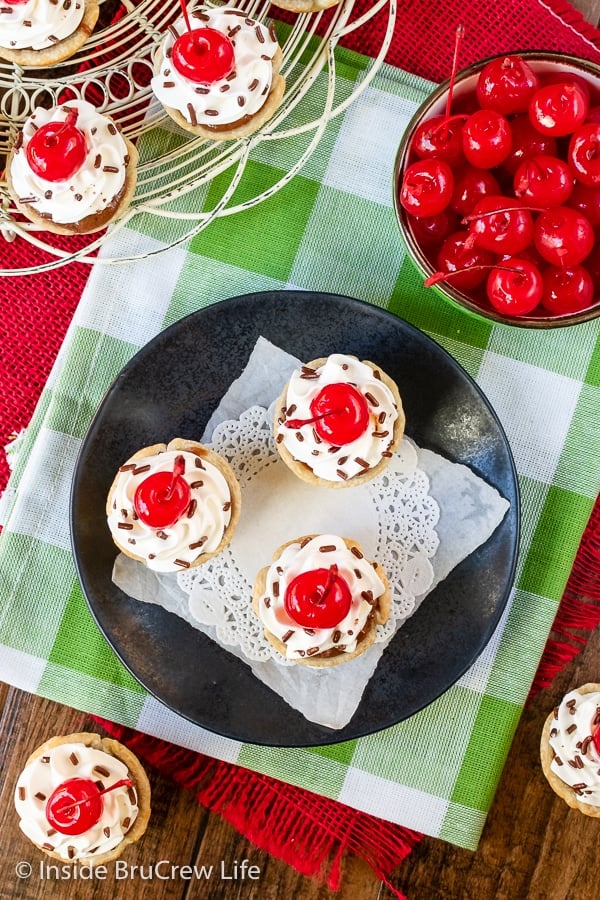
x,y
178,470
504,209
185,15
333,571
460,33
443,126
124,782
442,276
51,140
298,423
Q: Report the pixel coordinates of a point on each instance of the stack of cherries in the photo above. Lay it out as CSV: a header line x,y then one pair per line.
x,y
503,193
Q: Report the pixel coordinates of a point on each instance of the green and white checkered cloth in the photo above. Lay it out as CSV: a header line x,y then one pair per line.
x,y
331,229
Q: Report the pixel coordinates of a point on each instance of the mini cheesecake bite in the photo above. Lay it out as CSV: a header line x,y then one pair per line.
x,y
218,73
71,170
82,798
338,421
173,506
40,33
570,749
321,600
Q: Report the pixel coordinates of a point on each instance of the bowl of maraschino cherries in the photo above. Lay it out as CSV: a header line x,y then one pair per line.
x,y
497,189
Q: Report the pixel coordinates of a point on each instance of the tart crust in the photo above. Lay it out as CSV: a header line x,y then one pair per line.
x,y
379,616
564,791
211,457
303,471
61,50
137,774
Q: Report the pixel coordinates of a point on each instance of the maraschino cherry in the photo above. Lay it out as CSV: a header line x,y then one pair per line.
x,y
567,289
162,498
596,738
515,287
76,805
558,109
506,85
202,55
584,154
340,414
319,598
57,150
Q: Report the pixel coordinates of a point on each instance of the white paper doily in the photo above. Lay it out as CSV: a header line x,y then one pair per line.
x,y
393,517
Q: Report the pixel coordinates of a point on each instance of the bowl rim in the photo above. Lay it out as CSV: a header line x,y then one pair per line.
x,y
448,292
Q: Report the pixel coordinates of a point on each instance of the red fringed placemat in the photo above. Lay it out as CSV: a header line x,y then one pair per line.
x,y
36,311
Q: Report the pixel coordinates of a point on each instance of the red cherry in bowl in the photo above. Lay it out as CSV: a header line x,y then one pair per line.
x,y
439,137
584,154
470,186
515,287
75,806
563,236
527,141
567,289
203,55
162,498
558,109
427,187
501,225
543,181
506,85
319,598
487,139
57,150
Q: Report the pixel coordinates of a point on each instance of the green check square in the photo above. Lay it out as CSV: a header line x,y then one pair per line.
x,y
76,396
271,244
554,545
302,767
578,468
80,646
490,740
42,611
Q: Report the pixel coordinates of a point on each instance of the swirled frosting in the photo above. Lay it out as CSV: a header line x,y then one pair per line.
x,y
318,552
199,530
38,24
93,187
304,444
576,761
43,775
240,94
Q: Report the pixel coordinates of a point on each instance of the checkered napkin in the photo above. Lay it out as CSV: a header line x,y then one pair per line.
x,y
331,229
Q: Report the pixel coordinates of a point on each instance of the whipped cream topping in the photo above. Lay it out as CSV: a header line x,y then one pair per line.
x,y
319,552
44,774
38,24
200,530
576,761
327,461
93,187
240,94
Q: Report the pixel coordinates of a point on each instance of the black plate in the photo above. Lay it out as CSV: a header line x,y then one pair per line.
x,y
170,388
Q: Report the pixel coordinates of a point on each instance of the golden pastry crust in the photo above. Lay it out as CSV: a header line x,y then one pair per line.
x,y
564,791
61,50
245,127
137,774
211,457
304,471
381,611
305,6
92,223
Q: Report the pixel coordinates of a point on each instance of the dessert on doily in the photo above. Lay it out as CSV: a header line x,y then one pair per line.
x,y
320,600
44,32
570,749
172,506
71,170
338,421
83,798
217,73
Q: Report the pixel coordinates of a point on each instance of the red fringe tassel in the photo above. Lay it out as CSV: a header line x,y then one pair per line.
x,y
312,833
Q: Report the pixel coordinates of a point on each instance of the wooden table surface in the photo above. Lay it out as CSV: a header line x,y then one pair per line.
x,y
533,846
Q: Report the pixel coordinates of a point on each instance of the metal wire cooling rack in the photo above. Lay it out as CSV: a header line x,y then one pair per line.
x,y
113,71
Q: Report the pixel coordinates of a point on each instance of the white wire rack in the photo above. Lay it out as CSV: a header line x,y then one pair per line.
x,y
113,71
